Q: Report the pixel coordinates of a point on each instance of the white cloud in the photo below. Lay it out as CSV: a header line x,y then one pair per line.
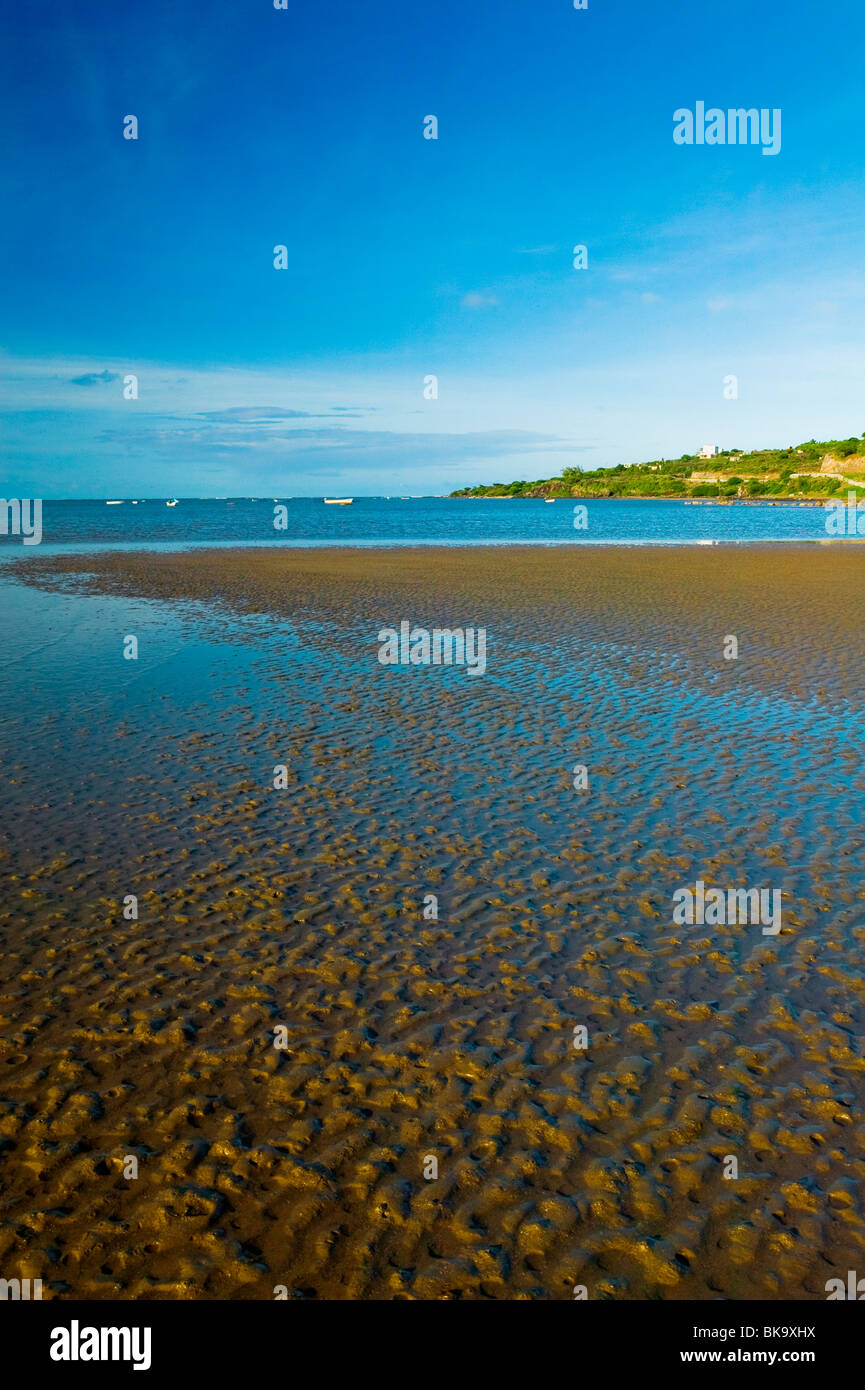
x,y
476,300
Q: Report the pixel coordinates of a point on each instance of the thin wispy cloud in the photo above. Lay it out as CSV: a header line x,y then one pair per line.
x,y
94,378
274,415
477,300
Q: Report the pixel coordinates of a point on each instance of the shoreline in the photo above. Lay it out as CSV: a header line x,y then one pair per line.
x,y
794,500
751,583
14,557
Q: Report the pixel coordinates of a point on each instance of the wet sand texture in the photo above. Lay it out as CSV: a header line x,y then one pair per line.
x,y
409,1038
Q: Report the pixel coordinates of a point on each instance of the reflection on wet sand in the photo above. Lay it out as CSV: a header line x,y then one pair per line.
x,y
409,1036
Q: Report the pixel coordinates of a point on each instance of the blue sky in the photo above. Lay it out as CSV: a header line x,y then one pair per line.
x,y
410,257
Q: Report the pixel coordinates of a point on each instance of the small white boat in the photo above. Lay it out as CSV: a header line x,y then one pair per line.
x,y
172,502
549,499
119,503
338,501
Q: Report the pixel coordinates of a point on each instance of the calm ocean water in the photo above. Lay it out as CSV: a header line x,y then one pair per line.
x,y
416,521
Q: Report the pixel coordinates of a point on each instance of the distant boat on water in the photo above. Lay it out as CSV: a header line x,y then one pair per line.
x,y
172,502
338,501
118,503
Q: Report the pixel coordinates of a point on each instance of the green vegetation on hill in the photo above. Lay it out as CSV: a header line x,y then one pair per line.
x,y
791,472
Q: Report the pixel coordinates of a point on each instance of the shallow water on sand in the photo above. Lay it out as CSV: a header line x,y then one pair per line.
x,y
408,1037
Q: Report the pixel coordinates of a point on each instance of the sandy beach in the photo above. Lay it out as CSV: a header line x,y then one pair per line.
x,y
302,908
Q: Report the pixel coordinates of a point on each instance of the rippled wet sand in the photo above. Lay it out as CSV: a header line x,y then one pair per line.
x,y
303,907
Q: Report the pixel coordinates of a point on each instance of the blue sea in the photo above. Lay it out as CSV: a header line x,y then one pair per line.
x,y
396,521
